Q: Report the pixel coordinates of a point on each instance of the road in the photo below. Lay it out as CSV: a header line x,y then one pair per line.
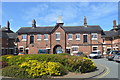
x,y
111,68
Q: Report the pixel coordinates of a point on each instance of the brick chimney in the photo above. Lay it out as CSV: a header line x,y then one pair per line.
x,y
8,25
114,24
85,21
34,23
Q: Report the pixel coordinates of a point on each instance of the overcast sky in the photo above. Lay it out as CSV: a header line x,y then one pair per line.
x,y
21,14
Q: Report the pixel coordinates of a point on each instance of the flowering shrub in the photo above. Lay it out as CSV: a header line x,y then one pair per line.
x,y
37,69
51,64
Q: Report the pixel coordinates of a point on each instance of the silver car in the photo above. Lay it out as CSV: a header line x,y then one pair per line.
x,y
117,57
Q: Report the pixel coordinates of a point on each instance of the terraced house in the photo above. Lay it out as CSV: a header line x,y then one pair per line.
x,y
60,39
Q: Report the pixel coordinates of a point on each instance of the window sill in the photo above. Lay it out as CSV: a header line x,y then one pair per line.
x,y
94,39
57,39
70,39
46,39
75,51
24,40
77,39
38,39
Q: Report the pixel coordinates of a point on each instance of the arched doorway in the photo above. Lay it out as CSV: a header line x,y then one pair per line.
x,y
57,49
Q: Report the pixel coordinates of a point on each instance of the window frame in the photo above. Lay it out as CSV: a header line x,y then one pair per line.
x,y
71,36
57,33
76,36
94,34
84,38
45,35
24,35
38,35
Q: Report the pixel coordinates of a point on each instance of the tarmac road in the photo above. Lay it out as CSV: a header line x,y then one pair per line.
x,y
112,68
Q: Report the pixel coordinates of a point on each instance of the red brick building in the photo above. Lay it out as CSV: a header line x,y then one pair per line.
x,y
112,38
60,38
7,40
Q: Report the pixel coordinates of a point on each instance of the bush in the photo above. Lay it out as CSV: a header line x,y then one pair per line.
x,y
15,71
37,69
71,63
3,64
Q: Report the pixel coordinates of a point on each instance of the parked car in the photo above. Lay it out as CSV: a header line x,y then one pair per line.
x,y
96,54
117,57
111,55
21,53
42,51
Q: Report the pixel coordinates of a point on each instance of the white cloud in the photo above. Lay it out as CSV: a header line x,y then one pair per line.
x,y
48,13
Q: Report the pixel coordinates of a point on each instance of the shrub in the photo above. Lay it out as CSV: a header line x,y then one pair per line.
x,y
37,69
7,57
3,64
64,54
71,63
15,71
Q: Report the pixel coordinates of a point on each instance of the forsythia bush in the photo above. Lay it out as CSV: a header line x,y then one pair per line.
x,y
37,69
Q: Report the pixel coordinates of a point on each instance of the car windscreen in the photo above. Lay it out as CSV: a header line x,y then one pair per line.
x,y
115,52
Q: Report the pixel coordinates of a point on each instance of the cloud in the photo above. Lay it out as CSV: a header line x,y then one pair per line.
x,y
73,13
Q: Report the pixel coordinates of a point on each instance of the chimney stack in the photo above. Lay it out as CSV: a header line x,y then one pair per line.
x,y
33,23
8,25
114,23
85,21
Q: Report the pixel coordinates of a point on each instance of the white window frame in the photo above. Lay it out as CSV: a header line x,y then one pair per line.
x,y
93,37
44,36
77,38
37,37
75,47
24,35
58,34
94,46
70,38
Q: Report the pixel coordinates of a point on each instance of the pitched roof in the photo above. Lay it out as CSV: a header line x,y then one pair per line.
x,y
8,34
70,29
110,33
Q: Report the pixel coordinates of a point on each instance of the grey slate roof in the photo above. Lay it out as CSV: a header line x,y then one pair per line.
x,y
4,33
70,29
110,33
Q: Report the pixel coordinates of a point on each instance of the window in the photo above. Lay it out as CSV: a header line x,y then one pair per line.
x,y
84,38
94,48
94,36
45,36
57,36
38,36
69,36
21,49
32,39
77,36
24,37
75,49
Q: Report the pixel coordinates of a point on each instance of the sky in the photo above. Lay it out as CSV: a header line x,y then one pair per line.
x,y
21,14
